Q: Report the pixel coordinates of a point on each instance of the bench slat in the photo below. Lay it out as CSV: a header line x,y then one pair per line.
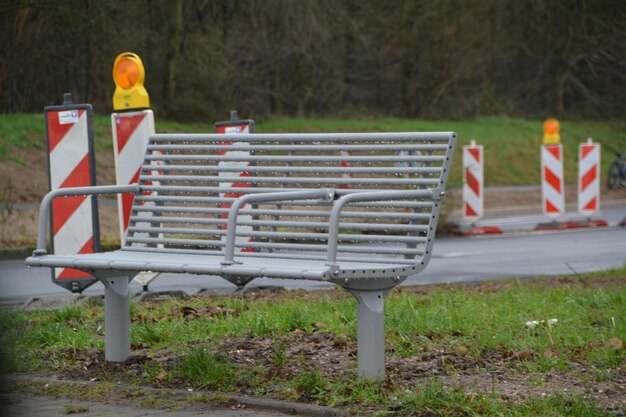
x,y
293,169
290,180
263,245
284,234
204,200
234,157
442,137
393,227
286,212
296,147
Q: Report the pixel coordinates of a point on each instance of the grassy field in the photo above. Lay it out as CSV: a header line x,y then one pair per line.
x,y
511,144
452,350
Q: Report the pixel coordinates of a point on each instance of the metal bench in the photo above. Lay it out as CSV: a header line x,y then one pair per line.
x,y
357,210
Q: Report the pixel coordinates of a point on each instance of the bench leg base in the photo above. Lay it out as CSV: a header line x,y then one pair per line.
x,y
370,333
116,319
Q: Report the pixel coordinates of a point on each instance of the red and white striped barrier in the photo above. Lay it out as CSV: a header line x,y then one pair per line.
x,y
71,159
473,181
131,131
235,126
589,178
553,198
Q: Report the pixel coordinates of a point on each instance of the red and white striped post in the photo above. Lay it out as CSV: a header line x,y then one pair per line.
x,y
589,178
553,198
552,192
473,181
71,163
235,126
131,131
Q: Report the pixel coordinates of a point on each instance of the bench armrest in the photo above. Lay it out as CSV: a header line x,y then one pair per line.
x,y
44,209
231,227
335,214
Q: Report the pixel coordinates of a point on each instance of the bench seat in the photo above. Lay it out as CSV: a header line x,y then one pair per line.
x,y
210,264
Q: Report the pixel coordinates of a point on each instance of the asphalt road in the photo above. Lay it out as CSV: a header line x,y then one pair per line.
x,y
454,260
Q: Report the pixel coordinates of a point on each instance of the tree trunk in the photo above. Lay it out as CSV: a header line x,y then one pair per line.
x,y
175,39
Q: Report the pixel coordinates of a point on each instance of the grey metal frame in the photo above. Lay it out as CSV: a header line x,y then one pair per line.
x,y
301,194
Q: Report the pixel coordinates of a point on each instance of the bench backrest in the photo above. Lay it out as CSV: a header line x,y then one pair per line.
x,y
189,181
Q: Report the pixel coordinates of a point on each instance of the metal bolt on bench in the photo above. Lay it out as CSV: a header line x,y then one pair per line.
x,y
365,232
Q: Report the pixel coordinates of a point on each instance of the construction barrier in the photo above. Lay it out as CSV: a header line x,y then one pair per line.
x,y
71,163
234,169
473,181
131,131
553,198
589,178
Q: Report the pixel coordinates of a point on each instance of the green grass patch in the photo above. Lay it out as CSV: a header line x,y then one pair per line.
x,y
28,131
205,369
511,144
433,399
21,131
300,345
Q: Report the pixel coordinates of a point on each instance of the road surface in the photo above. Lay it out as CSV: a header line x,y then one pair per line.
x,y
454,260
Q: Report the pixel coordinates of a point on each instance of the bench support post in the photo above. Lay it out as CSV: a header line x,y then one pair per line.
x,y
370,332
116,318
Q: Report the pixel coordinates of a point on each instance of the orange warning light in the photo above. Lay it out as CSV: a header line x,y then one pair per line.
x,y
128,75
551,129
551,126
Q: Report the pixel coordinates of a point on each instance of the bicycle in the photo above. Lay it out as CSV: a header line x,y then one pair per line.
x,y
617,172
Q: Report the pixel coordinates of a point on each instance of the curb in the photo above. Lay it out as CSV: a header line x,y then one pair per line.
x,y
456,214
261,404
571,225
482,230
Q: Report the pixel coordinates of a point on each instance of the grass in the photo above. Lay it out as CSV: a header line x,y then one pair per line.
x,y
511,144
433,399
259,346
205,369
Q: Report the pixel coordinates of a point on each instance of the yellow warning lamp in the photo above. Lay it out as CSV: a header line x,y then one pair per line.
x,y
128,74
551,132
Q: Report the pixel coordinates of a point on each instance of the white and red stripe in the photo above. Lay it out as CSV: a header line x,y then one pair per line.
x,y
72,217
242,165
473,181
589,178
131,132
553,198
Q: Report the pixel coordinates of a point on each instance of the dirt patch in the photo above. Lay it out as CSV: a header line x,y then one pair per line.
x,y
23,185
19,226
27,181
496,373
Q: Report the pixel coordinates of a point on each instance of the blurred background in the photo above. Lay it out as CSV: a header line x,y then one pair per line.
x,y
341,58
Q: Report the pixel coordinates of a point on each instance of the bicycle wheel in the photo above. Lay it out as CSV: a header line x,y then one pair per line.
x,y
614,179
